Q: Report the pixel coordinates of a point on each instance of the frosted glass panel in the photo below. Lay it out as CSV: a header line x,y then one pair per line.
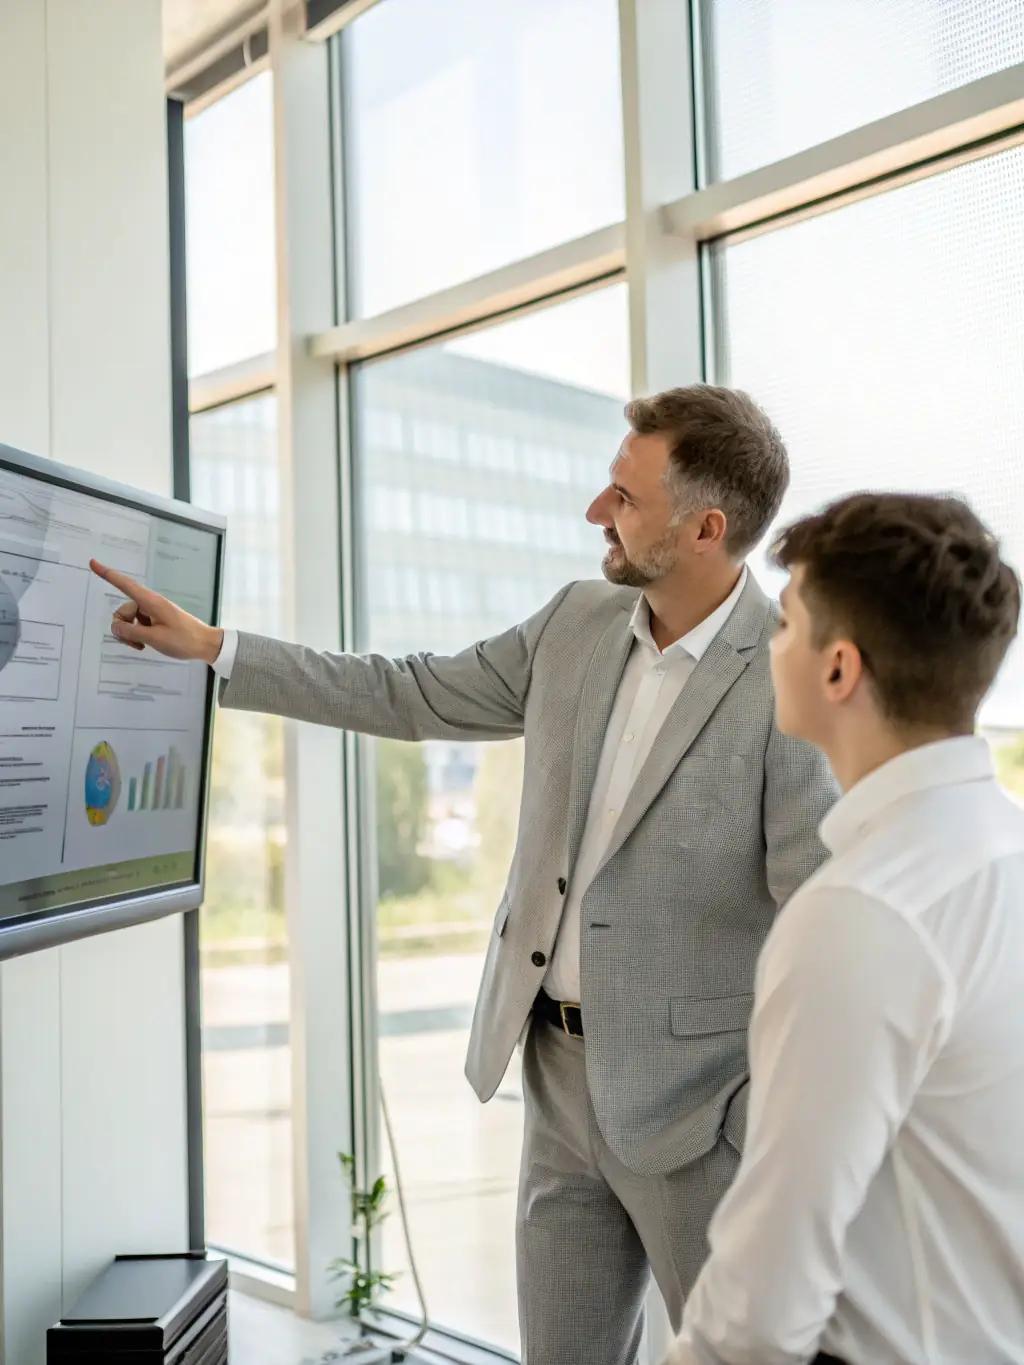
x,y
782,75
478,133
887,340
229,223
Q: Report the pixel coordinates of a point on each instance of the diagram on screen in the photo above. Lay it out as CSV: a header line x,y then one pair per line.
x,y
102,784
10,623
161,785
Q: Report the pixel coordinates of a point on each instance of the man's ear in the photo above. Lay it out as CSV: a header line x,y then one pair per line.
x,y
712,529
845,670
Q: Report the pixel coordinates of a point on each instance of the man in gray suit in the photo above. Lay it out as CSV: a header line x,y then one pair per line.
x,y
664,821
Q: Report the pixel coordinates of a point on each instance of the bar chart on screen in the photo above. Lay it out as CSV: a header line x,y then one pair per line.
x,y
162,784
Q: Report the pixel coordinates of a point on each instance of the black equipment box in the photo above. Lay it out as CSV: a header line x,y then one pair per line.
x,y
148,1310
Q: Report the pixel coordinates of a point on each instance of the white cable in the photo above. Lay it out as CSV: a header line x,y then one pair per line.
x,y
404,1347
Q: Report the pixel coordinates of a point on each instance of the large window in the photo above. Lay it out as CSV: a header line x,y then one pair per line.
x,y
887,340
883,329
245,991
785,74
476,461
229,189
479,133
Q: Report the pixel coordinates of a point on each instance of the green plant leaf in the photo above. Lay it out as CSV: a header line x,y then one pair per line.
x,y
369,1209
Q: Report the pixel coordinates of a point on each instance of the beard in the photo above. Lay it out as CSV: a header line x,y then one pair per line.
x,y
643,569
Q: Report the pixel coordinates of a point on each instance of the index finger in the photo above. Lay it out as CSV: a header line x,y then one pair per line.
x,y
122,582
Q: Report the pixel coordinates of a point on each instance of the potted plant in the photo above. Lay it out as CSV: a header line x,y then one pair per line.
x,y
364,1285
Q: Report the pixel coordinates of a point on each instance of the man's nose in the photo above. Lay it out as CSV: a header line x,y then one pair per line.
x,y
598,513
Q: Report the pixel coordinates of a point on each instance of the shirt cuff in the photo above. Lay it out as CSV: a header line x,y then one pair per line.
x,y
225,660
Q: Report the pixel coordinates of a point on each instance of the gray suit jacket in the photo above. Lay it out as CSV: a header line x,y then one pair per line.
x,y
718,831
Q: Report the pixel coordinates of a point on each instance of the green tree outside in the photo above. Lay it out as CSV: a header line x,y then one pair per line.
x,y
451,907
498,792
402,813
425,905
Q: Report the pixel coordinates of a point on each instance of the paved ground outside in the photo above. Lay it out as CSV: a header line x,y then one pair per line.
x,y
459,1159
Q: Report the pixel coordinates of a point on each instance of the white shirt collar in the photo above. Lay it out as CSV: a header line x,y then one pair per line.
x,y
694,643
947,763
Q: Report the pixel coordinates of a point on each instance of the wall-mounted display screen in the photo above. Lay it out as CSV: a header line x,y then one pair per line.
x,y
103,750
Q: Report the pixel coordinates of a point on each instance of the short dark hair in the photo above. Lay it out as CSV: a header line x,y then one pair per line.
x,y
724,452
917,583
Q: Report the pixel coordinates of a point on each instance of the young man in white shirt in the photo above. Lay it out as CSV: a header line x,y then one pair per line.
x,y
878,1215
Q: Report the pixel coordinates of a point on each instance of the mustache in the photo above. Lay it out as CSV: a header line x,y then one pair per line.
x,y
611,538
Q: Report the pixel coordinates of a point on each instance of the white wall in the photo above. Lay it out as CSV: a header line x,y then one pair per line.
x,y
92,1083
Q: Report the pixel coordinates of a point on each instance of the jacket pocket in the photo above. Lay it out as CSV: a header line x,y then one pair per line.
x,y
710,793
501,918
734,1128
699,1018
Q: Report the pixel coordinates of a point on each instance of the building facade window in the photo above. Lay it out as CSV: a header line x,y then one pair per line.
x,y
446,815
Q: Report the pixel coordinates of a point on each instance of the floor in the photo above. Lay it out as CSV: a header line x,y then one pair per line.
x,y
264,1334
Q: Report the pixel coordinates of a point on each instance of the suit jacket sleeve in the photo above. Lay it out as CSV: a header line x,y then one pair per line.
x,y
799,791
477,694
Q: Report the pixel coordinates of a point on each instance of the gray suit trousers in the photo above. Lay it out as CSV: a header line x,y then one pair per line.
x,y
589,1231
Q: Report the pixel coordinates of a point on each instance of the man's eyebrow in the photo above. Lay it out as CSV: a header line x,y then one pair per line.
x,y
621,488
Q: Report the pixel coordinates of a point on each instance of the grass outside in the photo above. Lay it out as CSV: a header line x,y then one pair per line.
x,y
1008,751
235,931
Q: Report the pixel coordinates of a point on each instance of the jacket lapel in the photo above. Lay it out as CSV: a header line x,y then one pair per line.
x,y
725,660
596,701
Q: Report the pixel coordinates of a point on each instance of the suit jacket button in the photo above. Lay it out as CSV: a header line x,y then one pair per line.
x,y
539,960
561,886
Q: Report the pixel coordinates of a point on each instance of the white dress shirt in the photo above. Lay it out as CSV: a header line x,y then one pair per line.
x,y
879,1209
650,685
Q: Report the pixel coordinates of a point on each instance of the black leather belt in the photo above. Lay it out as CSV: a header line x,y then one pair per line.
x,y
562,1014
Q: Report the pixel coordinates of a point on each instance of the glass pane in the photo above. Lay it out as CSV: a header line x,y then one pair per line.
x,y
245,988
887,340
782,75
477,134
229,225
477,460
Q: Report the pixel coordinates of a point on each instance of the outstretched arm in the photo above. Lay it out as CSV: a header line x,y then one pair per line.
x,y
478,694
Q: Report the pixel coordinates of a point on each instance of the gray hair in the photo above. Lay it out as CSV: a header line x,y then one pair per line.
x,y
724,452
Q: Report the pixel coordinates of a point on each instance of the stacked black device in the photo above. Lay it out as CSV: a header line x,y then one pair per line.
x,y
148,1310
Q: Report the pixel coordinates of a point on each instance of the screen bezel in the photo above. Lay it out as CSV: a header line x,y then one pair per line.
x,y
48,928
